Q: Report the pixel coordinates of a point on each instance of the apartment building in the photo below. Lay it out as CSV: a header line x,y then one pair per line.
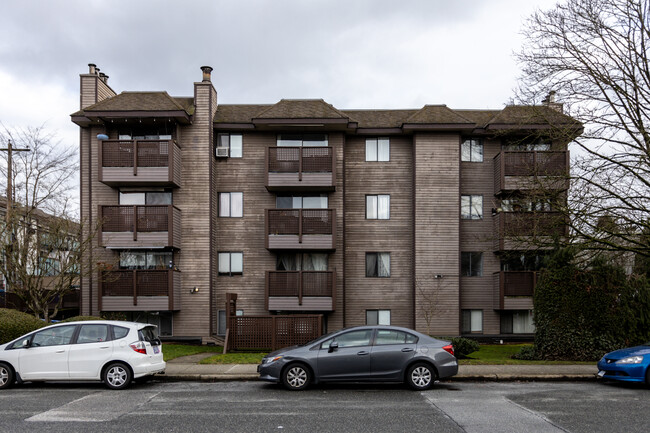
x,y
416,217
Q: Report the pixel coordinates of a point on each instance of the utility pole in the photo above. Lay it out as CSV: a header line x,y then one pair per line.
x,y
10,149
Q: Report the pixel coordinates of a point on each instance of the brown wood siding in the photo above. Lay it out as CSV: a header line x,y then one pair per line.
x,y
88,86
437,228
476,293
125,303
395,235
286,303
177,167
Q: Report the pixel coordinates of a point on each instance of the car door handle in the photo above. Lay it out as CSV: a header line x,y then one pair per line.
x,y
60,351
104,347
407,349
363,352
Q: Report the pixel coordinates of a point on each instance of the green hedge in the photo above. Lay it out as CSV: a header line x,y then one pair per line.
x,y
464,346
14,323
580,314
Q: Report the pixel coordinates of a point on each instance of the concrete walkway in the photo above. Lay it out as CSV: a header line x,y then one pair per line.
x,y
187,368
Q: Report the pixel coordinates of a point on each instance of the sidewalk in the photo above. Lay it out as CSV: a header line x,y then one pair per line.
x,y
187,368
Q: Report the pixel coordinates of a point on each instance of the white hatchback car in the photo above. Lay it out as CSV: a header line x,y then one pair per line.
x,y
111,351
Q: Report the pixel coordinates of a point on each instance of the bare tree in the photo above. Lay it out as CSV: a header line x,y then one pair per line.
x,y
40,238
594,54
428,290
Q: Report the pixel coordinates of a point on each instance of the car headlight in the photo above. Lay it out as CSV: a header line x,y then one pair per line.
x,y
270,360
630,360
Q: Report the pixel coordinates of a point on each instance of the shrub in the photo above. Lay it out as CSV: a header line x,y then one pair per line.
x,y
14,323
526,353
464,346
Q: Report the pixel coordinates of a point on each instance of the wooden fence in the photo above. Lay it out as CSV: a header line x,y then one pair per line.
x,y
272,332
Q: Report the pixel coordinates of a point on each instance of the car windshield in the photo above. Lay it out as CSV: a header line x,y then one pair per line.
x,y
316,340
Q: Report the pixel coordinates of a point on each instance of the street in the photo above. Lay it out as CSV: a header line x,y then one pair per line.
x,y
255,406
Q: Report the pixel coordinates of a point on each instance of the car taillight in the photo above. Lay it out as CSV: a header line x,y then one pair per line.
x,y
449,348
139,347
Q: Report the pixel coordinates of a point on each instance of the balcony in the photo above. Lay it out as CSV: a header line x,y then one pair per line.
x,y
139,162
300,290
140,290
300,169
513,290
523,230
301,229
518,170
150,226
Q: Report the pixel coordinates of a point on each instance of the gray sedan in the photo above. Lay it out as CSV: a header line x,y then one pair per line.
x,y
365,353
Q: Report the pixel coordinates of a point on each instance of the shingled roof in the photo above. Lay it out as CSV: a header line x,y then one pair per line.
x,y
517,115
141,101
301,109
379,118
437,114
227,113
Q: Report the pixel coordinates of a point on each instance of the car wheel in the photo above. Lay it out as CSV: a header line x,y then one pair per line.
x,y
117,376
296,377
420,376
6,376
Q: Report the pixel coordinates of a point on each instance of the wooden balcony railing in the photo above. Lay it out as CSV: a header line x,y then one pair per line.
x,y
301,228
140,225
139,290
514,284
152,162
301,290
521,170
300,168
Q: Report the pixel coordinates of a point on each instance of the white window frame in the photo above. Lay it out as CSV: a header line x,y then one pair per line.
x,y
473,148
475,321
470,203
225,263
383,317
378,149
236,151
226,204
373,207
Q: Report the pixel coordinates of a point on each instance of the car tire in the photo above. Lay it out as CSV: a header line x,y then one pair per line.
x,y
117,376
7,377
421,376
296,377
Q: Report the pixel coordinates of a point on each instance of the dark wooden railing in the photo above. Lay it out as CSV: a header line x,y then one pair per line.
x,y
272,332
514,224
138,218
300,284
300,221
136,153
535,163
518,283
300,159
137,283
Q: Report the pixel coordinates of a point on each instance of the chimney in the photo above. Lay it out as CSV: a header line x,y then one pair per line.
x,y
549,101
103,77
92,68
207,71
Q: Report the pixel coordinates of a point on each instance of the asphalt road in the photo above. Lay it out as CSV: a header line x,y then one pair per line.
x,y
255,406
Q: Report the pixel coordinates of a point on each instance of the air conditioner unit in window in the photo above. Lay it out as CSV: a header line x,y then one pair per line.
x,y
222,152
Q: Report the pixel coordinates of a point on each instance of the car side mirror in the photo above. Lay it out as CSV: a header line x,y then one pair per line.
x,y
27,343
333,346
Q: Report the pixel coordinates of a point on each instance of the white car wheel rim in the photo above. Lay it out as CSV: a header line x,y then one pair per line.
x,y
296,377
421,376
116,376
4,376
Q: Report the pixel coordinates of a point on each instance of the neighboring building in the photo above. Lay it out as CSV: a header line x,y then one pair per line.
x,y
364,216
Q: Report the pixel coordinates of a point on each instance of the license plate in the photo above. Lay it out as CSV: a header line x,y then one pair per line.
x,y
156,349
601,373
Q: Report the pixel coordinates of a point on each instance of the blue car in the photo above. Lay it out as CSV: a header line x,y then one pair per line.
x,y
628,365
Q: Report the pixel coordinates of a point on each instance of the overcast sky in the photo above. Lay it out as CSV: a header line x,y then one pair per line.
x,y
351,53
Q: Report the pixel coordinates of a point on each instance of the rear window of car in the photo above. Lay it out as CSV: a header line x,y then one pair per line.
x,y
120,332
387,336
149,334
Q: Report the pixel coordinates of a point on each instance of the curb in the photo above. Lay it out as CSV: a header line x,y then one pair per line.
x,y
458,378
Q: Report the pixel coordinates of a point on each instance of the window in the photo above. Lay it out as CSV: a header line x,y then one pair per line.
x,y
377,317
538,145
378,207
471,264
318,201
471,151
231,263
142,198
231,204
53,336
385,336
301,262
234,142
92,334
120,332
526,205
523,261
146,259
350,339
306,140
472,321
378,149
471,207
517,322
377,264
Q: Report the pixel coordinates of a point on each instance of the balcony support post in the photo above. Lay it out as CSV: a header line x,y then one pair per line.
x,y
300,226
134,279
135,223
135,157
170,289
300,164
300,276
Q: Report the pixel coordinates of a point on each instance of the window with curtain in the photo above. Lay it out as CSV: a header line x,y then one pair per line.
x,y
231,263
306,140
317,201
471,207
145,259
145,198
377,317
378,149
471,264
378,265
301,262
378,207
231,204
234,142
471,151
472,321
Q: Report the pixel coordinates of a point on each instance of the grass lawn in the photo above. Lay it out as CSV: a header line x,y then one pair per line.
x,y
500,354
171,351
235,358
